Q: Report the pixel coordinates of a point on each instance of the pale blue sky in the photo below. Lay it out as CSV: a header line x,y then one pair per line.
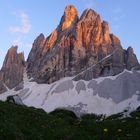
x,y
23,20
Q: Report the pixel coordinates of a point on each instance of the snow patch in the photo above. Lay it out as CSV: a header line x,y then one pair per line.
x,y
63,94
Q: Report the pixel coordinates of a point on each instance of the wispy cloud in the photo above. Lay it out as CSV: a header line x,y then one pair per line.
x,y
25,26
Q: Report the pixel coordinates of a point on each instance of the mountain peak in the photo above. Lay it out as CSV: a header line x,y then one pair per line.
x,y
13,48
11,74
70,15
11,56
77,44
39,40
70,9
88,13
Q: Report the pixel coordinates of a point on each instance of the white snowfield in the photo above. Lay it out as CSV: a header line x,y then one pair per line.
x,y
105,95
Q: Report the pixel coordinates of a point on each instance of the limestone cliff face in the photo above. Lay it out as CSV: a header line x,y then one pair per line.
x,y
131,59
69,17
75,45
36,54
11,74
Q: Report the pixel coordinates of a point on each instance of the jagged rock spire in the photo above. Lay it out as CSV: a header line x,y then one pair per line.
x,y
70,16
76,44
11,73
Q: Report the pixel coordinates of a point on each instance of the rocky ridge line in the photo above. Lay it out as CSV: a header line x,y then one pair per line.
x,y
11,73
75,45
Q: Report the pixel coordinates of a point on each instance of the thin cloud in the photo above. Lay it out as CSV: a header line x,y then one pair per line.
x,y
25,26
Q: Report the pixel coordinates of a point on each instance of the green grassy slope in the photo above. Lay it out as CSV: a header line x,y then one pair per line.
x,y
23,123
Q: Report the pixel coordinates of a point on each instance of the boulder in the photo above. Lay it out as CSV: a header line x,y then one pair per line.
x,y
14,99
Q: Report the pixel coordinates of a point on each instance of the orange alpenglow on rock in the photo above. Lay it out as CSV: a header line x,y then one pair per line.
x,y
75,45
51,41
70,15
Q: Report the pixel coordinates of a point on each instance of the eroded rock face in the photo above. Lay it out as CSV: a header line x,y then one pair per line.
x,y
36,54
2,87
75,45
131,60
11,73
69,17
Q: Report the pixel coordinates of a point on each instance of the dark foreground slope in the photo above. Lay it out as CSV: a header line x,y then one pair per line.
x,y
22,123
